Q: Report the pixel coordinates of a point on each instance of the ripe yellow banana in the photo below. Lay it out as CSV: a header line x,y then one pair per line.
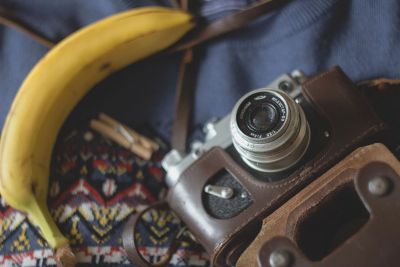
x,y
54,87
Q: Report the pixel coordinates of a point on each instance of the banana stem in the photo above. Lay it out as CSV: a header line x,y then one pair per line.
x,y
65,257
41,216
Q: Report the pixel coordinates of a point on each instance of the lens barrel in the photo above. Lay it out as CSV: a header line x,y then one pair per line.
x,y
269,130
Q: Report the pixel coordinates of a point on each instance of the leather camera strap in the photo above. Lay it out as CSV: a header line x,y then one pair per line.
x,y
227,24
129,240
184,95
184,101
186,78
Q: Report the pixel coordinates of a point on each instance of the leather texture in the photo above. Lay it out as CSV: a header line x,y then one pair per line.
x,y
376,243
129,239
351,122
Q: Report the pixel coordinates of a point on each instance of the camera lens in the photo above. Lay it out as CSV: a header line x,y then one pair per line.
x,y
269,130
262,118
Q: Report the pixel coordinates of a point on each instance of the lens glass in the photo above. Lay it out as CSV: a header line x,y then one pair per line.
x,y
261,115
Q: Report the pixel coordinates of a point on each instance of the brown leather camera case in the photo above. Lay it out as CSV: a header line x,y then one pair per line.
x,y
376,243
351,122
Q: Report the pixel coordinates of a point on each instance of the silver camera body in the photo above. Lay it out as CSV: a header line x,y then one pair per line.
x,y
267,153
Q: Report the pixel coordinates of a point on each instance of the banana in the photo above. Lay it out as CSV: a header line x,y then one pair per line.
x,y
56,84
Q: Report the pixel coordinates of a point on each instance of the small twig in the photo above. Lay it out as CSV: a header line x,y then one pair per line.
x,y
8,19
380,83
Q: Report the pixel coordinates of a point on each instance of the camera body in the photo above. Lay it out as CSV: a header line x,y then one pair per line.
x,y
290,119
220,132
274,142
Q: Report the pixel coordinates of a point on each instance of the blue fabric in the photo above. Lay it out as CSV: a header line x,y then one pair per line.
x,y
361,36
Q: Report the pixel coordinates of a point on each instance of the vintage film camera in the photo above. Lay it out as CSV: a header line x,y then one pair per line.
x,y
274,142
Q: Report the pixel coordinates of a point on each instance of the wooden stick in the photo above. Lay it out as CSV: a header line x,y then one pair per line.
x,y
109,132
146,142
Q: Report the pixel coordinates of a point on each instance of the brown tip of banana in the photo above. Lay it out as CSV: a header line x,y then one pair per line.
x,y
65,257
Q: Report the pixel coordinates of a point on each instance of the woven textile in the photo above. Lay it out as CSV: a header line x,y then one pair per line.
x,y
95,186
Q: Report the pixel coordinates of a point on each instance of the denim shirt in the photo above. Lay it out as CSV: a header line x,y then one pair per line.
x,y
313,35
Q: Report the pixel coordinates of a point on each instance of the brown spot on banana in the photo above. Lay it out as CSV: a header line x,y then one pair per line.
x,y
105,66
33,187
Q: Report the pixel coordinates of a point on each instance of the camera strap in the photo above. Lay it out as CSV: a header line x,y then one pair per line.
x,y
187,73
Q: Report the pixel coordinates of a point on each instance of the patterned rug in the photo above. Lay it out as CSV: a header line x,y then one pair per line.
x,y
95,186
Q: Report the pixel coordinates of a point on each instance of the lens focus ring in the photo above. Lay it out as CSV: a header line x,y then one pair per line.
x,y
269,130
